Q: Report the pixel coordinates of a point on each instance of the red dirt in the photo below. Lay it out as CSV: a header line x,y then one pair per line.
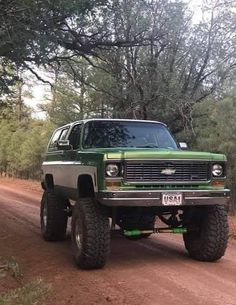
x,y
152,272
232,226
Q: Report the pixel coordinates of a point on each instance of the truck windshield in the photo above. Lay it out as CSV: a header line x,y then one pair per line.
x,y
108,134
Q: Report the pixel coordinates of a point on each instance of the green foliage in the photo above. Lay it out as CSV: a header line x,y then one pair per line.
x,y
5,131
8,76
170,65
31,30
30,294
22,147
67,104
215,130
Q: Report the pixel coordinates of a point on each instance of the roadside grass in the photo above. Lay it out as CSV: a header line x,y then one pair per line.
x,y
32,293
10,266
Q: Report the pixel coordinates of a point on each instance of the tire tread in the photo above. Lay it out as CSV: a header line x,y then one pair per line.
x,y
213,240
55,229
96,244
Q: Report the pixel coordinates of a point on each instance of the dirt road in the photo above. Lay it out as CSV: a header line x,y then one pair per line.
x,y
152,272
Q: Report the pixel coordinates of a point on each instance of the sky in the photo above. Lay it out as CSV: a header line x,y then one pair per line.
x,y
195,6
39,90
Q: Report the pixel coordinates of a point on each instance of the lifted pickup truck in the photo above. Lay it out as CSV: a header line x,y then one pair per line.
x,y
126,174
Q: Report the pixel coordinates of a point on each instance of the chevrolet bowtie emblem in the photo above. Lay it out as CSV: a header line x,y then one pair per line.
x,y
168,171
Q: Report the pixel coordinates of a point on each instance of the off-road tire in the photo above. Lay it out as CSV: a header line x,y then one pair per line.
x,y
91,224
55,225
142,223
210,241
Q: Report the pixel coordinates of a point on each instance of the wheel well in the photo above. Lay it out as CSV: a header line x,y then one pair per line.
x,y
49,181
85,186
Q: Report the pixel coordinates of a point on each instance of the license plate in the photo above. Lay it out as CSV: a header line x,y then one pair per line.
x,y
172,198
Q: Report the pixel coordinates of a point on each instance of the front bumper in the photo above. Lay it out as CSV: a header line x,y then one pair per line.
x,y
154,197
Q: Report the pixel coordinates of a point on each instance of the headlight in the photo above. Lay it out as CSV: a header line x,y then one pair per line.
x,y
217,170
112,170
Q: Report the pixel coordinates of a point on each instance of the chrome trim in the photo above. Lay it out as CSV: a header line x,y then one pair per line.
x,y
113,160
157,159
55,152
167,182
62,163
168,191
122,120
153,197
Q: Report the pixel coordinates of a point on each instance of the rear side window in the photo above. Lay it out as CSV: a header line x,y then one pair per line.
x,y
59,134
55,138
64,134
74,136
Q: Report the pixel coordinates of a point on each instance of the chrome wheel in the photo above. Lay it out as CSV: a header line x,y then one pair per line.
x,y
45,215
78,235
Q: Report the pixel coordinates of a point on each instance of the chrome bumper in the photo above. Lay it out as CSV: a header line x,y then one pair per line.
x,y
154,198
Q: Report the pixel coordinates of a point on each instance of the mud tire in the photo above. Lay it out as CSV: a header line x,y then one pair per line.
x,y
53,228
210,242
90,234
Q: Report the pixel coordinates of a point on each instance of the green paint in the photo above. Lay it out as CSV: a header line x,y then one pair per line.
x,y
97,157
179,230
144,154
132,233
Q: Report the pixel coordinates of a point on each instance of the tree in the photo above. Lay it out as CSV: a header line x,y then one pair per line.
x,y
33,148
42,32
22,147
178,65
215,131
12,105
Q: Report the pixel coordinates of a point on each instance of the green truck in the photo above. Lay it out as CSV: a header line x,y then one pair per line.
x,y
124,175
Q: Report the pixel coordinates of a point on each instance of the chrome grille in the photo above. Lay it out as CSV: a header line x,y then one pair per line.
x,y
154,171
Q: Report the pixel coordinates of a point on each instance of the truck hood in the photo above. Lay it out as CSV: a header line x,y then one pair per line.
x,y
150,153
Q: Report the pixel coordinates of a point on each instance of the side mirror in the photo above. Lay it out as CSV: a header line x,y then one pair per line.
x,y
183,145
64,145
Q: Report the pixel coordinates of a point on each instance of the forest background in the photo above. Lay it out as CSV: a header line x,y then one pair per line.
x,y
142,59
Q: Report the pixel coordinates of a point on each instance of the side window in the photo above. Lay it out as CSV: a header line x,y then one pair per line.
x,y
64,134
55,138
58,135
74,136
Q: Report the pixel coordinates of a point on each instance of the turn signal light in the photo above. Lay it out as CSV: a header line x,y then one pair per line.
x,y
111,185
218,183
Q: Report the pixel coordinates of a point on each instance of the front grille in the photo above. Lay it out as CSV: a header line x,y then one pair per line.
x,y
158,171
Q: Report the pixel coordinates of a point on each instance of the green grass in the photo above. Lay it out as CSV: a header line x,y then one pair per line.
x,y
10,266
31,294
